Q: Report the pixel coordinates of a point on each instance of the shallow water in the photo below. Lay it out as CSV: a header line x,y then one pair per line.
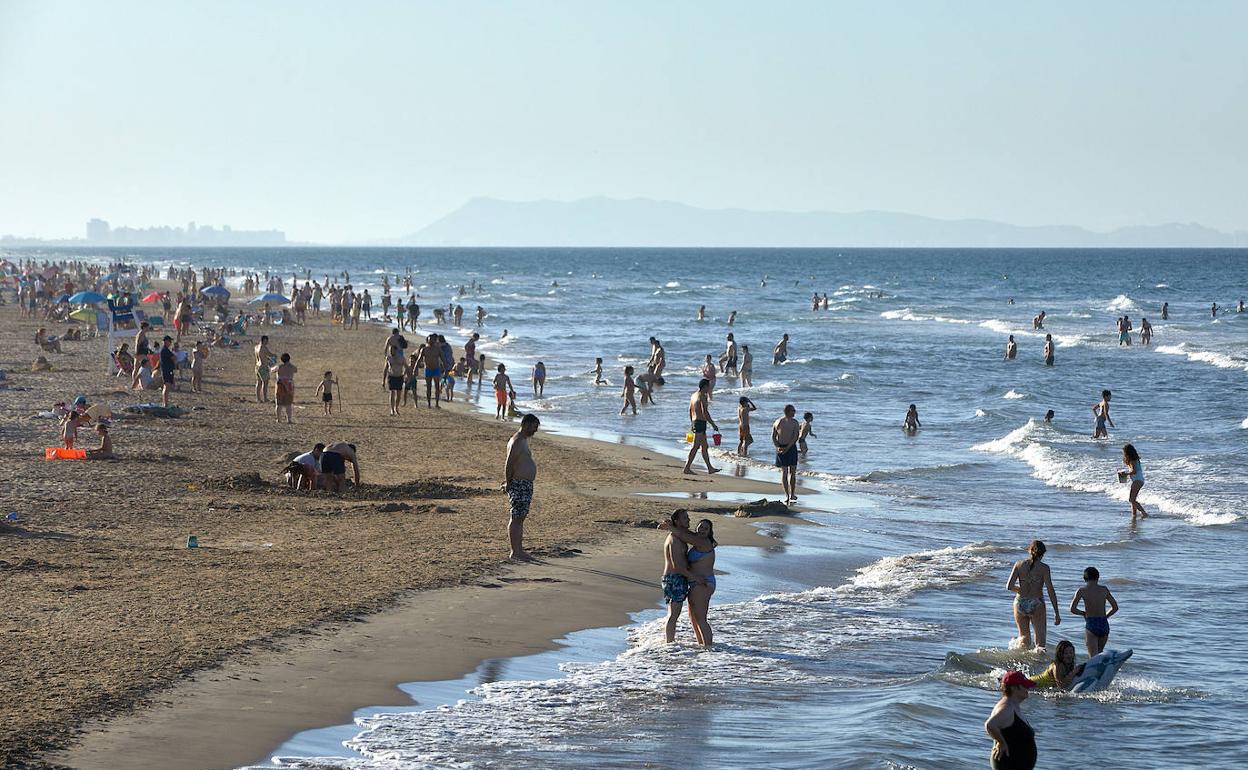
x,y
893,665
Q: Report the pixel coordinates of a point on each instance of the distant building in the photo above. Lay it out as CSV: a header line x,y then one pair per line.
x,y
99,232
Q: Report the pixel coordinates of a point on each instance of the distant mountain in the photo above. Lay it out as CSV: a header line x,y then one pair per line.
x,y
643,222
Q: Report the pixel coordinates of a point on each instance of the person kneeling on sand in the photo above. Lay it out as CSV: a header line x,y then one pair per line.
x,y
334,466
105,450
303,471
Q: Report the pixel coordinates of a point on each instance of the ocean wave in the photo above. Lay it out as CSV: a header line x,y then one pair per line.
x,y
1065,469
982,413
906,314
1220,360
893,578
672,285
1244,424
921,470
1014,394
1121,303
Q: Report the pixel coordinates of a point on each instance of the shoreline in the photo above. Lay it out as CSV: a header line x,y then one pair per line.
x,y
118,704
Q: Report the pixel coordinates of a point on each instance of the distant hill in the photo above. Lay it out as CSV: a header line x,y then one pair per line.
x,y
643,222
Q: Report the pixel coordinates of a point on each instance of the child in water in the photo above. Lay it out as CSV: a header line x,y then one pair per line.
x,y
805,430
1096,620
911,423
1061,673
598,379
627,392
1134,474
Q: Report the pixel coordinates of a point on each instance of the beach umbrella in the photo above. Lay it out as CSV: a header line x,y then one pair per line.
x,y
276,299
62,298
84,314
87,298
216,291
153,297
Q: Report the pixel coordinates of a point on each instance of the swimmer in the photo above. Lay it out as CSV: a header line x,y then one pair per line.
x,y
1048,350
1011,349
1096,620
781,352
1101,413
911,423
1049,415
1061,673
701,312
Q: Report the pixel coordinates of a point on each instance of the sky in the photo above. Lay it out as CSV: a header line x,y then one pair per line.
x,y
347,122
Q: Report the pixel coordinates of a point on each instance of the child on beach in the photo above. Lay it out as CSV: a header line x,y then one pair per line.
x,y
326,392
1096,620
627,392
461,369
808,420
70,423
198,356
598,379
539,379
744,437
1134,474
502,385
911,423
105,450
645,385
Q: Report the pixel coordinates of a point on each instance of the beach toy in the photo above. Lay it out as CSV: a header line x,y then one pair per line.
x,y
61,453
716,437
12,516
1100,670
192,541
688,438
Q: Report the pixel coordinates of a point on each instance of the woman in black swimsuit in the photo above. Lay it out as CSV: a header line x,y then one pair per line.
x,y
1014,742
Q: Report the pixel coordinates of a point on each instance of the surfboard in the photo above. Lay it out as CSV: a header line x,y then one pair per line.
x,y
1099,671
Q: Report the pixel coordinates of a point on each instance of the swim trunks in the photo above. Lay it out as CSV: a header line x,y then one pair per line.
x,y
395,383
1099,626
1124,336
262,372
327,397
333,463
434,373
699,426
520,495
500,397
787,458
1027,606
675,588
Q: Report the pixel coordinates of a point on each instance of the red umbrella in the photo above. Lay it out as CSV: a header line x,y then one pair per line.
x,y
153,297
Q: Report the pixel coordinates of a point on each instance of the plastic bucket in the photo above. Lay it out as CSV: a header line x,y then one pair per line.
x,y
716,437
61,453
688,438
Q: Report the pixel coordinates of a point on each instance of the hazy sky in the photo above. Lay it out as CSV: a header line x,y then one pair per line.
x,y
356,120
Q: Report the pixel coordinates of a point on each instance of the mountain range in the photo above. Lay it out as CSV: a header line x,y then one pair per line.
x,y
643,222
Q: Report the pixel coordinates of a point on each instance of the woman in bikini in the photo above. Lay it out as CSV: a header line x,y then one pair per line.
x,y
1135,474
1029,579
702,565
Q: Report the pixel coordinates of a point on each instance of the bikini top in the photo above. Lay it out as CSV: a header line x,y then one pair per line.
x,y
696,555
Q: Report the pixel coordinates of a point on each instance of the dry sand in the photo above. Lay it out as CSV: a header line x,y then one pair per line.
x,y
250,638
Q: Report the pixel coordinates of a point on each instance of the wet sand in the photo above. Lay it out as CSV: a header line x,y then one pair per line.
x,y
131,650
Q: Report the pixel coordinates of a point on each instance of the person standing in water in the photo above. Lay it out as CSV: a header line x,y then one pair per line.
x,y
700,560
1095,619
701,312
1029,579
539,380
729,359
1134,474
676,574
1013,740
1146,331
520,471
784,436
1101,413
1011,349
747,367
781,352
1165,311
699,416
744,437
1037,323
628,391
1048,350
1213,311
911,424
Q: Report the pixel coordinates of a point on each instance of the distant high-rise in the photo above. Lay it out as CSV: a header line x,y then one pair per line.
x,y
98,231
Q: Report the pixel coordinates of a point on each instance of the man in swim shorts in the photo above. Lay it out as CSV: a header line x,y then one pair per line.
x,y
520,473
1101,413
1096,620
784,435
699,416
676,574
431,359
502,387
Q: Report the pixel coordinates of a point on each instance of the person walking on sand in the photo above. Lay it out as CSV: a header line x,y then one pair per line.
x,y
326,391
1100,413
784,436
395,368
1048,350
1029,579
1013,740
1134,474
284,372
699,416
781,352
1095,619
1011,349
431,358
264,363
520,471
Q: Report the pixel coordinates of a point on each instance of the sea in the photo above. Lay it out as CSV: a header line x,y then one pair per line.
x,y
875,637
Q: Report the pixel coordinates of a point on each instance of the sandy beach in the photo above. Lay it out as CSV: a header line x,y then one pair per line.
x,y
125,643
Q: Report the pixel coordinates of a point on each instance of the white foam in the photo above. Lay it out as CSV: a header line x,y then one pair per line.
x,y
672,285
982,413
1120,303
906,314
893,578
1014,394
1244,424
1220,360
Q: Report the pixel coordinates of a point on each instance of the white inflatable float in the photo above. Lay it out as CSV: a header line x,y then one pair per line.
x,y
1099,671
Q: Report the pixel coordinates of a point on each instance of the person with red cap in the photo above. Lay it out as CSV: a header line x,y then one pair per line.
x,y
1014,742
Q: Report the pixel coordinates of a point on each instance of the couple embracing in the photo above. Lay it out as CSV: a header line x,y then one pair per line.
x,y
689,573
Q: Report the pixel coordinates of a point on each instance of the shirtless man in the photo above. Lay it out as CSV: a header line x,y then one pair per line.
x,y
1096,620
1048,350
747,367
333,466
732,317
520,472
263,358
431,359
677,577
658,357
1038,322
1011,349
1029,579
699,416
784,434
744,437
781,353
1165,311
470,352
1101,413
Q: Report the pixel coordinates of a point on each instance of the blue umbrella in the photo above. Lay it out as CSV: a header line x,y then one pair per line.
x,y
87,298
276,299
62,298
216,291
